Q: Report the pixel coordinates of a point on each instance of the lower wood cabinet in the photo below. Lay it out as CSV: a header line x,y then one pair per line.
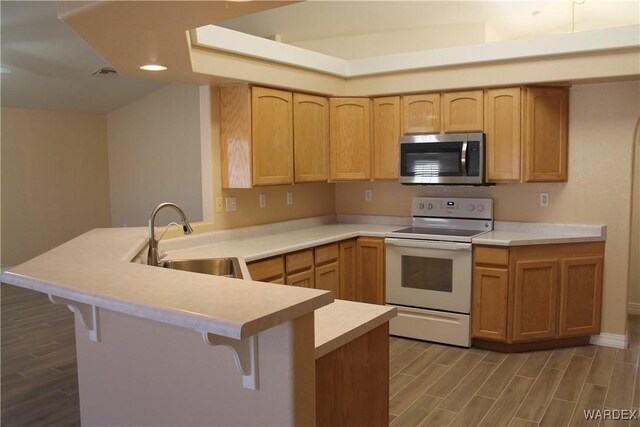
x,y
537,293
352,269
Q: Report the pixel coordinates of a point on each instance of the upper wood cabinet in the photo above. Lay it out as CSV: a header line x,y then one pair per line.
x,y
421,113
462,111
256,136
502,126
545,134
386,136
311,137
272,133
350,139
526,131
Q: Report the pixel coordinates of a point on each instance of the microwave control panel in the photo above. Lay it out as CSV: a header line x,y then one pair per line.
x,y
452,207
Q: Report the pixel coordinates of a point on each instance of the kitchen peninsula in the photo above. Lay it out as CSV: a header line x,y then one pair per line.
x,y
155,337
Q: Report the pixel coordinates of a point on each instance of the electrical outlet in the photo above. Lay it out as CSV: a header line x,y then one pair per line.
x,y
289,197
544,199
219,204
367,195
262,198
231,204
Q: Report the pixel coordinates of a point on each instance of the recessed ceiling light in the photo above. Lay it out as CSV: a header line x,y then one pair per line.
x,y
153,67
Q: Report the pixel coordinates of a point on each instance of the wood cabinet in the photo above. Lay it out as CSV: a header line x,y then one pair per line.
x,y
386,136
526,130
370,270
545,134
350,139
462,111
502,126
256,136
267,270
299,269
327,268
421,113
539,293
311,138
348,267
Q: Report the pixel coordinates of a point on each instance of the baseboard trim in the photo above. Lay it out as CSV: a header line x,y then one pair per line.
x,y
634,308
610,340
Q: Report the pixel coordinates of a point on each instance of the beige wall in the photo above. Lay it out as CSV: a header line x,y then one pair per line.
x,y
154,156
601,133
634,270
55,182
311,199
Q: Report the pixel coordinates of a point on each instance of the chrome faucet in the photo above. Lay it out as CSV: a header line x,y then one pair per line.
x,y
152,257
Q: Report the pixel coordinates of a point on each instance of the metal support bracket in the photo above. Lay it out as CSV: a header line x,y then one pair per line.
x,y
245,354
89,315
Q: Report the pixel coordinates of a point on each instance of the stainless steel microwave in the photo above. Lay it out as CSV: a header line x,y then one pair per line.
x,y
451,159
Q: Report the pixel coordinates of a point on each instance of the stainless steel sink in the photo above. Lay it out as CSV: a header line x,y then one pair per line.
x,y
227,267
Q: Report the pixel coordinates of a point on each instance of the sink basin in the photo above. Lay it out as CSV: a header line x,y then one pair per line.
x,y
227,267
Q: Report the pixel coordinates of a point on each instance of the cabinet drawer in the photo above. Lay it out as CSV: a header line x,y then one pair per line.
x,y
327,253
297,261
491,256
266,270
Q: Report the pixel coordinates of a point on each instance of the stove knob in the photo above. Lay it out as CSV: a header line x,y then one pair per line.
x,y
430,206
420,205
480,208
471,208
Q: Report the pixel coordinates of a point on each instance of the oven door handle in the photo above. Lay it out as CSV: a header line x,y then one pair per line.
x,y
428,244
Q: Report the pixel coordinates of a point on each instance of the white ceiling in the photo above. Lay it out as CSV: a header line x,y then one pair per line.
x,y
51,67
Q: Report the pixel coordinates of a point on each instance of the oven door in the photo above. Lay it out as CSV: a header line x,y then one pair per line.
x,y
428,274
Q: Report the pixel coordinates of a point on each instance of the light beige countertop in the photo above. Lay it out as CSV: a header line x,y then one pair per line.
x,y
507,233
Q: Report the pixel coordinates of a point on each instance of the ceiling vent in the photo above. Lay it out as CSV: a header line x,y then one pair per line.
x,y
105,72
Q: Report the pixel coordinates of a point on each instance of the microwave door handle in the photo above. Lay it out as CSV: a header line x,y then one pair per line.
x,y
463,159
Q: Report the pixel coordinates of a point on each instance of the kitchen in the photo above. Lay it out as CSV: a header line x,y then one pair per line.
x,y
570,202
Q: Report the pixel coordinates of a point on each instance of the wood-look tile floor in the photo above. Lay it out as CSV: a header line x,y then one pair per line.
x,y
437,385
430,384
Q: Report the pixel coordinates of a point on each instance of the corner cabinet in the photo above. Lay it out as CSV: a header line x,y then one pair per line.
x,y
539,296
526,130
350,139
386,137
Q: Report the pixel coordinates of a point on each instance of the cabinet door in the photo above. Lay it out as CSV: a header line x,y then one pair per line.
x,y
462,111
235,135
311,138
489,303
348,274
370,270
421,113
386,136
350,139
303,279
272,135
580,295
503,130
328,278
545,134
535,299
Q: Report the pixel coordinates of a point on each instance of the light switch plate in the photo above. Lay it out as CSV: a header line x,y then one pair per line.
x,y
289,197
367,195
